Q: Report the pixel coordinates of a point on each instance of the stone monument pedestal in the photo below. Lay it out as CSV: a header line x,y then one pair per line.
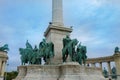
x,y
55,34
65,71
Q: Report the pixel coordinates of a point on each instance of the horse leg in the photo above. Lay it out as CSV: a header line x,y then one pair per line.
x,y
63,57
84,61
66,56
22,63
80,60
70,53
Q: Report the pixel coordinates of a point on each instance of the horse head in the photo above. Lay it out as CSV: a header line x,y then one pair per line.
x,y
75,42
21,51
83,49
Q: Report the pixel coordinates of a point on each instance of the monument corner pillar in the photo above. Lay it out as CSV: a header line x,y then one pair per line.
x,y
117,63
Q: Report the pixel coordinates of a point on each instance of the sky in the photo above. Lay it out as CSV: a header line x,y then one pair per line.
x,y
95,23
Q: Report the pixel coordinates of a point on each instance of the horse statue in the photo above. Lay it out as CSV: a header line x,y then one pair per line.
x,y
69,49
4,48
30,55
24,57
84,56
26,54
42,47
46,50
29,51
49,52
35,56
81,54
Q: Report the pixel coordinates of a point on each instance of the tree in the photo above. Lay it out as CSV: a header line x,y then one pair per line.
x,y
10,75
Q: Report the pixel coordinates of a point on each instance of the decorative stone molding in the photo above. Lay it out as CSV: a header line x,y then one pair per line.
x,y
57,28
65,71
107,59
100,59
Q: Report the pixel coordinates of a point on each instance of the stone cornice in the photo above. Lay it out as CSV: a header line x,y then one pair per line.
x,y
103,59
3,54
59,28
100,59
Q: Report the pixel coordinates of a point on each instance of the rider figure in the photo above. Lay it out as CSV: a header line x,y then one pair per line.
x,y
66,41
28,45
42,47
43,43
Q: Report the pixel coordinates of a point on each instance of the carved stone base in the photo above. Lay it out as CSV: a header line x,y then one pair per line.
x,y
22,72
65,71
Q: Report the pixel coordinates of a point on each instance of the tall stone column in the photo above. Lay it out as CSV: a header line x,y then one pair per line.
x,y
57,12
109,67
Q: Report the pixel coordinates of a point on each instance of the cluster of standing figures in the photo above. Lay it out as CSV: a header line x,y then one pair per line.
x,y
76,52
31,55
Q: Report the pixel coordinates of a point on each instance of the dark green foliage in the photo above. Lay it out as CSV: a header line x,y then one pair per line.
x,y
10,75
